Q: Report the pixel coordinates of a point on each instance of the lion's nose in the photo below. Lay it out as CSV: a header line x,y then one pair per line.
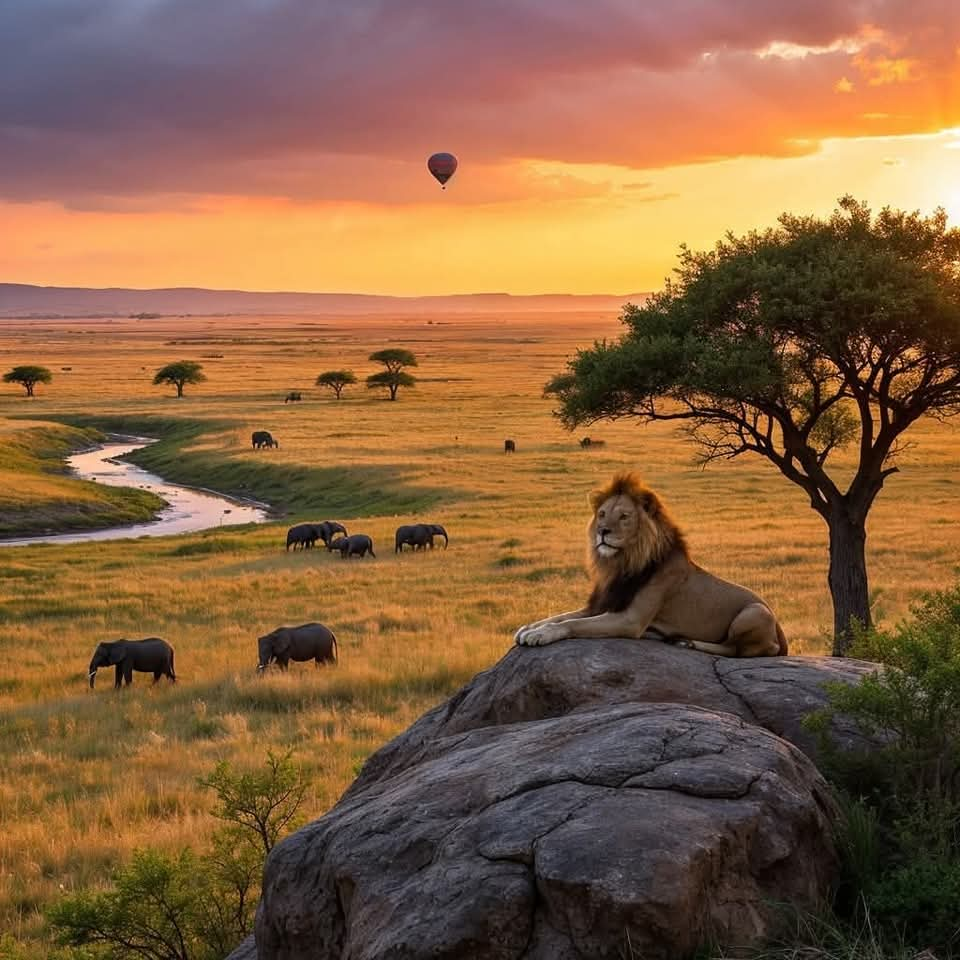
x,y
604,531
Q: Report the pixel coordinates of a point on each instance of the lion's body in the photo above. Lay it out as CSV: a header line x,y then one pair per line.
x,y
646,586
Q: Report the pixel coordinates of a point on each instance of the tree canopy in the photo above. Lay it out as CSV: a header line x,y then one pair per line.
x,y
390,380
336,380
179,374
394,377
394,358
794,343
28,376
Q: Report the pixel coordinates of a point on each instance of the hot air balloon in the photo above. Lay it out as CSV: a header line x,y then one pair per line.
x,y
443,166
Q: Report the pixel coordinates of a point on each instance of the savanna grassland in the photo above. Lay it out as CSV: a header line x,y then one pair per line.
x,y
90,776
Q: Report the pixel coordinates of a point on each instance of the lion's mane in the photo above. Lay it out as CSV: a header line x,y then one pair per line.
x,y
617,579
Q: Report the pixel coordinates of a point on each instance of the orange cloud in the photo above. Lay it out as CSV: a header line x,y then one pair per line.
x,y
332,101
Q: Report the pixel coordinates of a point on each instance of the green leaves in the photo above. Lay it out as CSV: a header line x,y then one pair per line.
x,y
184,906
265,803
180,373
29,376
336,380
394,358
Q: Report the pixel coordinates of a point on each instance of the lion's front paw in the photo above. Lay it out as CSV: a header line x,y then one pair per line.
x,y
683,643
541,636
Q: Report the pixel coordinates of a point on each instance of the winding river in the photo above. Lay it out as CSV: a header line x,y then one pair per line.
x,y
188,509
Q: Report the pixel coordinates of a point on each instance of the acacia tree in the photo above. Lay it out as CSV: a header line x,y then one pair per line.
x,y
794,343
394,377
336,380
180,373
28,376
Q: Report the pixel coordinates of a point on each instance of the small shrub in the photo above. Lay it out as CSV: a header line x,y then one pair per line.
x,y
188,906
901,831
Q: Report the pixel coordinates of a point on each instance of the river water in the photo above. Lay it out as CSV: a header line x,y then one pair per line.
x,y
188,510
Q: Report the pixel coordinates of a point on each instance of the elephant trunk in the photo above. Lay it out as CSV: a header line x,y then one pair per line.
x,y
92,675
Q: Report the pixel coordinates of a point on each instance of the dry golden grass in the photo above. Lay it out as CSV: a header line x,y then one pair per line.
x,y
90,776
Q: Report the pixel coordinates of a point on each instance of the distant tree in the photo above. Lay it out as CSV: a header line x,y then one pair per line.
x,y
794,343
28,376
390,380
336,380
394,377
394,358
179,374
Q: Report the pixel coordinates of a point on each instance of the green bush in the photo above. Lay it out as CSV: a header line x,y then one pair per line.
x,y
901,836
189,906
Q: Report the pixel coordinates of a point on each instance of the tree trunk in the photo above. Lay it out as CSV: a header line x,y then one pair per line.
x,y
179,389
29,387
393,391
847,577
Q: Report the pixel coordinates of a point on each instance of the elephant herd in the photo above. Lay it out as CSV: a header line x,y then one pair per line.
x,y
309,641
418,536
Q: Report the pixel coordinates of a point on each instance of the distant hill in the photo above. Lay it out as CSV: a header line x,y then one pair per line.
x,y
23,300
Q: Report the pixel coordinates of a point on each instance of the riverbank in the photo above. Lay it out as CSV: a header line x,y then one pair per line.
x,y
38,495
186,510
213,455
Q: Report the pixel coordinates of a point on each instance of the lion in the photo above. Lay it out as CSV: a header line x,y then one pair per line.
x,y
645,586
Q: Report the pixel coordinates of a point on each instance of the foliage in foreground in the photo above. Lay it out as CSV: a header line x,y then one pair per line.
x,y
901,837
187,906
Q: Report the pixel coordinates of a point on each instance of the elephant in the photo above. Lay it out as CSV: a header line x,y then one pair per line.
x,y
309,641
509,446
590,442
358,545
412,534
418,535
152,655
303,534
262,438
292,397
327,529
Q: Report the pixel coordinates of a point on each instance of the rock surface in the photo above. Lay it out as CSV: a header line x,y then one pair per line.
x,y
535,683
579,800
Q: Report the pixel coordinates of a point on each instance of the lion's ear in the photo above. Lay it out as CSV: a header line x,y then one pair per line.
x,y
648,502
595,498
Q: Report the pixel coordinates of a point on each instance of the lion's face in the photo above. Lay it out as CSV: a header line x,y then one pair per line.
x,y
615,526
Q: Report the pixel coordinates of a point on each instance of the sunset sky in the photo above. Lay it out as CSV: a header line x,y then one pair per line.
x,y
282,144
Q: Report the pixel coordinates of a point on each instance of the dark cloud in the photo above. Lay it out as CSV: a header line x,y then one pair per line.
x,y
315,99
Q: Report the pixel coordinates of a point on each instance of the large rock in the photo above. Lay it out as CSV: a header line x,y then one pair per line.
x,y
535,683
657,826
570,801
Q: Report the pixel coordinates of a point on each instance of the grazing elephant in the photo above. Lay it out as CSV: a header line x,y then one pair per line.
x,y
262,438
412,534
509,446
303,535
590,442
309,641
419,536
152,655
292,397
327,529
358,545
